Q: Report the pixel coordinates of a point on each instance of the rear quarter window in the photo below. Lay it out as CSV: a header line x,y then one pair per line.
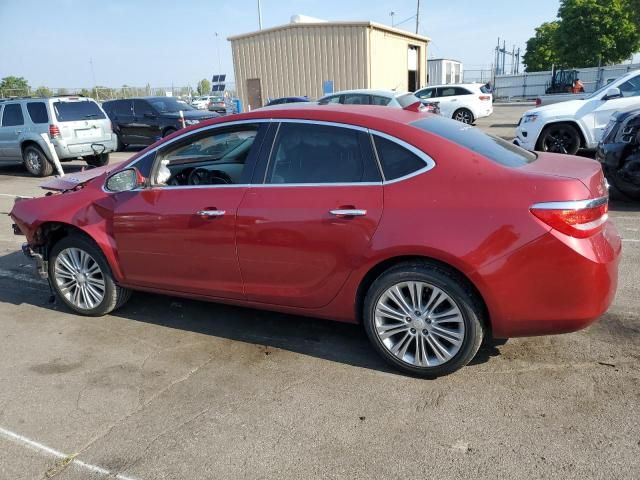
x,y
74,111
474,139
38,112
395,160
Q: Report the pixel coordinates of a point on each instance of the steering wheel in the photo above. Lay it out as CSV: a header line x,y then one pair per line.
x,y
202,176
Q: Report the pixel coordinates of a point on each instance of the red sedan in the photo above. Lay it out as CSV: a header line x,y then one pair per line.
x,y
429,232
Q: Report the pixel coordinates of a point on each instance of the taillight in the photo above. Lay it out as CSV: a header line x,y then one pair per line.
x,y
54,131
580,219
485,97
538,102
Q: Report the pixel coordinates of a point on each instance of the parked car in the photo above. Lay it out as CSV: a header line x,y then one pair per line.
x,y
619,152
218,105
283,100
201,103
76,126
143,121
464,102
569,126
388,98
431,234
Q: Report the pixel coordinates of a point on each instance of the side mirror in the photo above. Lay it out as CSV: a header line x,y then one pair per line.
x,y
612,93
124,180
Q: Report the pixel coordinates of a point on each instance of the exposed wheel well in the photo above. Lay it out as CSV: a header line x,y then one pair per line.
x,y
385,265
50,233
168,130
583,141
33,143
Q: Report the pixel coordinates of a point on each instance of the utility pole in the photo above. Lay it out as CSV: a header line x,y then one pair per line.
x,y
418,17
93,75
392,14
218,47
260,14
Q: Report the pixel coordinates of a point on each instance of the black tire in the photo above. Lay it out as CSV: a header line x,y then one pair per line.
x,y
559,138
121,146
464,115
627,178
168,132
97,160
113,297
36,162
456,288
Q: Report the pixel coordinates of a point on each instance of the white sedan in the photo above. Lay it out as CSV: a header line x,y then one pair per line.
x,y
465,102
388,98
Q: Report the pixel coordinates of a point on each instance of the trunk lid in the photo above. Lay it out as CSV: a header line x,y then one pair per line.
x,y
585,170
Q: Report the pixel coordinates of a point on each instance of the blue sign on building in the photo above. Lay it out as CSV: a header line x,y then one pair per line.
x,y
327,87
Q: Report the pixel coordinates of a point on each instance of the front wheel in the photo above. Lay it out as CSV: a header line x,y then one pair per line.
x,y
97,160
560,138
36,162
81,277
423,319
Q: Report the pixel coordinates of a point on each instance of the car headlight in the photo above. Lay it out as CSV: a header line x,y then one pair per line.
x,y
530,117
192,122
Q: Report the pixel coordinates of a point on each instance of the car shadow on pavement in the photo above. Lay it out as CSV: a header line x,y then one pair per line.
x,y
18,170
325,339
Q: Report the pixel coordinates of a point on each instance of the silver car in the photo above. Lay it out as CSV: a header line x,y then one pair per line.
x,y
77,127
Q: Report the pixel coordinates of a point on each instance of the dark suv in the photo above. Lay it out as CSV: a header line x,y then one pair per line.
x,y
142,121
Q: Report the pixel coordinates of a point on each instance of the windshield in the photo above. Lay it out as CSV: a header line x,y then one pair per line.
x,y
169,105
606,87
72,111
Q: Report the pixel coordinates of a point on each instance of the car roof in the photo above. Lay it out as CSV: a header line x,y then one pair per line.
x,y
454,85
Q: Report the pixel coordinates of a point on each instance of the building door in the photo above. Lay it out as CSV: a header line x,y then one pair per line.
x,y
413,64
254,93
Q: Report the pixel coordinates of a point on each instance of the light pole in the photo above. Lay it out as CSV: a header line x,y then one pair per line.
x,y
218,48
392,14
260,14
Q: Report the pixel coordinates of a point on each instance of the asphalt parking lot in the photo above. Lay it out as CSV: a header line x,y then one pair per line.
x,y
167,388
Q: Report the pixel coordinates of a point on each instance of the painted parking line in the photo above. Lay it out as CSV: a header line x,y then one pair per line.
x,y
631,240
67,459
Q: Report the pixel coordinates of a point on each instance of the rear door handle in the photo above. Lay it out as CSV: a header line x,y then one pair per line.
x,y
348,212
210,213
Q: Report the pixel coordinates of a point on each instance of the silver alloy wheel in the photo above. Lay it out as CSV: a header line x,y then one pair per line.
x,y
464,116
79,278
419,323
33,161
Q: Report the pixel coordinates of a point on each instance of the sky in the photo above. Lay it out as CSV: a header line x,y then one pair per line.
x,y
79,43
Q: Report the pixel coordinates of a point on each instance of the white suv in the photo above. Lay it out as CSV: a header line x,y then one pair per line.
x,y
76,126
568,126
465,102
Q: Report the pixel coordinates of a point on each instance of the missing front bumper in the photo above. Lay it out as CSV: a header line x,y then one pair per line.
x,y
42,266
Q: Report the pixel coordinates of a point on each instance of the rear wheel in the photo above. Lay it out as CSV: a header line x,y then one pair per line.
x,y
423,319
97,160
463,115
627,178
121,147
560,138
36,162
82,278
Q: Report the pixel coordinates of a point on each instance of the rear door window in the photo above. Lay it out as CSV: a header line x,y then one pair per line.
x,y
12,115
38,112
321,154
493,148
396,161
378,100
140,107
121,107
74,111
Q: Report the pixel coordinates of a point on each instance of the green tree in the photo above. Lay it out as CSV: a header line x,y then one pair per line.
x,y
541,49
204,87
596,31
14,86
43,92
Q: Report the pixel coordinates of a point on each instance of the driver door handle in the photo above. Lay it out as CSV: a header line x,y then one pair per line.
x,y
211,213
348,212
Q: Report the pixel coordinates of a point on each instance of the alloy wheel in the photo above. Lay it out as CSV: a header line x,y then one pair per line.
x,y
464,116
79,278
560,140
419,324
33,160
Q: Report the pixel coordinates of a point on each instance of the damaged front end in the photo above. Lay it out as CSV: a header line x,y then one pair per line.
x,y
619,152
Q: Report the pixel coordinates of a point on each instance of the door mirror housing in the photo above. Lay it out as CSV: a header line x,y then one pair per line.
x,y
125,180
612,93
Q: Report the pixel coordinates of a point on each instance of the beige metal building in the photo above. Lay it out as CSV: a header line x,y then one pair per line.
x,y
299,58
